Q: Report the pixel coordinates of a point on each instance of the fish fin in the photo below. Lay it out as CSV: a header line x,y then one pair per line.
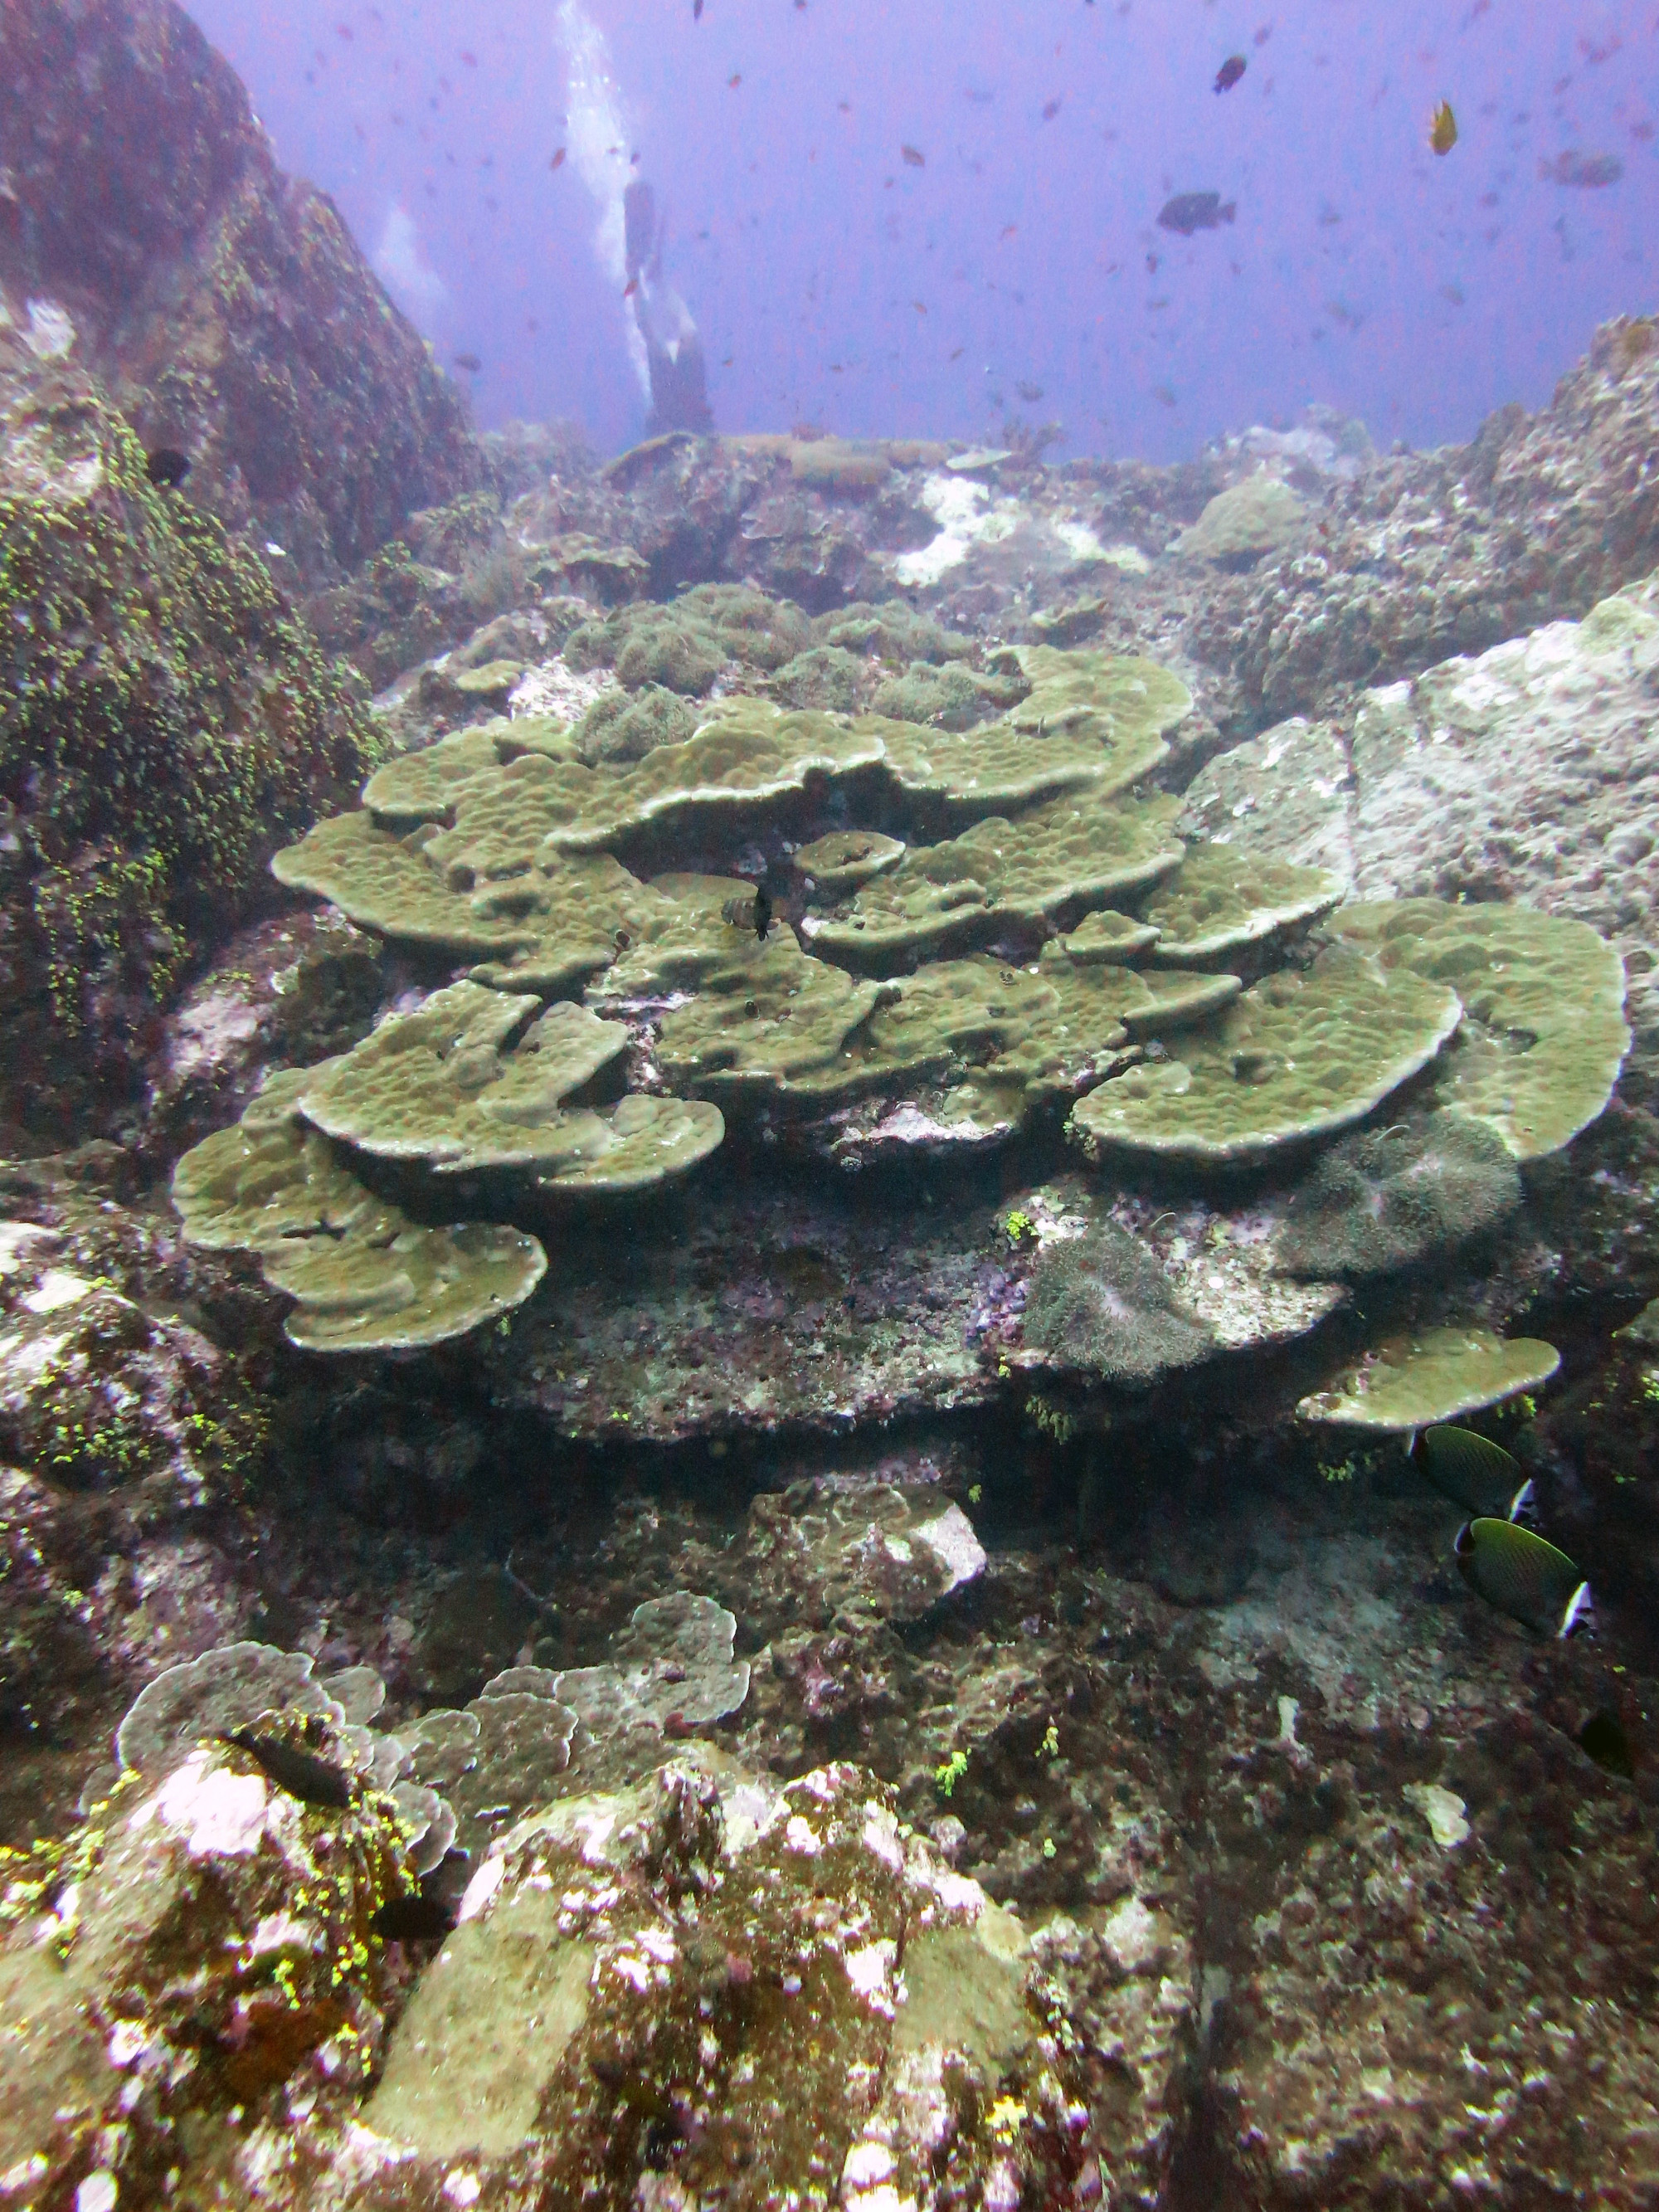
x,y
1579,1618
1523,1506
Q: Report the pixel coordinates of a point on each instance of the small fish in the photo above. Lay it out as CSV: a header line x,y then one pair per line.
x,y
1587,172
1050,109
470,362
1471,1470
1031,394
1230,72
734,80
471,59
914,156
1192,211
763,912
558,160
1442,128
166,466
302,1774
416,1918
1524,1576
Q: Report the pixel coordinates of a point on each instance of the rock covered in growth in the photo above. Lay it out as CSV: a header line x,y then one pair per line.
x,y
1100,1303
1448,552
1257,515
224,304
200,1942
734,1949
164,720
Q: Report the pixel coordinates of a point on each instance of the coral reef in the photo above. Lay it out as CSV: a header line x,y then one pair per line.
x,y
1427,554
774,1443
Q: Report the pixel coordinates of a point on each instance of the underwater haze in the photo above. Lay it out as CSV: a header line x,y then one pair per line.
x,y
935,217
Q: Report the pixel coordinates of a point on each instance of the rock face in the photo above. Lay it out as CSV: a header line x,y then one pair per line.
x,y
162,716
1439,553
146,231
1524,772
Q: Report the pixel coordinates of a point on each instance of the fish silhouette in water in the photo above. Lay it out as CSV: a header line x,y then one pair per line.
x,y
166,466
416,1918
1192,211
1603,1738
1442,128
1474,1473
1587,172
763,912
468,362
1524,1576
302,1773
1230,72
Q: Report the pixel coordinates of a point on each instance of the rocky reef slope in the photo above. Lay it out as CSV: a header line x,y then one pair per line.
x,y
706,1490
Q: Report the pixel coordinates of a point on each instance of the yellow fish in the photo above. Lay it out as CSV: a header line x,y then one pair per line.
x,y
1442,128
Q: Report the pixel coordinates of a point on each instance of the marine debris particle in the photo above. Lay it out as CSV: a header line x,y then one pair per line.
x,y
1442,128
1230,72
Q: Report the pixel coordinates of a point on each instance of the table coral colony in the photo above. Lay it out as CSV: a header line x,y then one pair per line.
x,y
986,957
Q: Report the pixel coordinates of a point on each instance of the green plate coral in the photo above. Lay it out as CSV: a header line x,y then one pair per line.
x,y
1300,1056
364,1277
1440,1376
1220,900
1002,875
1547,1036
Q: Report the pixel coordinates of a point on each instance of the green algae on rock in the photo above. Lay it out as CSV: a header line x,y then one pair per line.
x,y
1546,1034
165,717
1301,1056
1438,1375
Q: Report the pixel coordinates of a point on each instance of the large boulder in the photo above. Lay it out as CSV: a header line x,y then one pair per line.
x,y
163,718
146,230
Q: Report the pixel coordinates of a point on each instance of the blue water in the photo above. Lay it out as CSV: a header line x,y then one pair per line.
x,y
836,282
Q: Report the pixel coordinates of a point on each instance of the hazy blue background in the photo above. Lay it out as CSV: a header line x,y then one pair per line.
x,y
834,281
